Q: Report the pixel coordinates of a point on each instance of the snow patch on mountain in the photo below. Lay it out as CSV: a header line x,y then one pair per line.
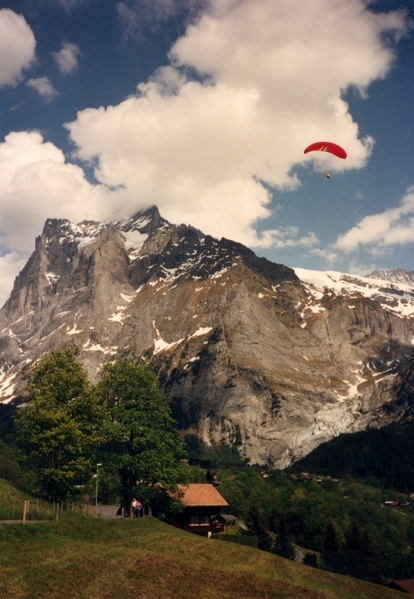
x,y
201,331
7,386
134,240
161,345
97,347
86,232
399,275
395,297
74,330
51,277
118,317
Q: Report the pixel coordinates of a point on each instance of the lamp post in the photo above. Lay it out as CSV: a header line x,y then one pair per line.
x,y
97,482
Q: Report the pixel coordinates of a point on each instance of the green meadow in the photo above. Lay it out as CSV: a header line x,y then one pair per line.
x,y
81,557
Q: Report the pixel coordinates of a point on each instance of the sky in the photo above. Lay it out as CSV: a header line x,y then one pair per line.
x,y
204,108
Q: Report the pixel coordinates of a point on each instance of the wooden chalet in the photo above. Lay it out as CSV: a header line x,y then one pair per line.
x,y
202,506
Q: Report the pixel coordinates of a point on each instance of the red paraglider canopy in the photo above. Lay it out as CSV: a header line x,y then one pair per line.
x,y
327,146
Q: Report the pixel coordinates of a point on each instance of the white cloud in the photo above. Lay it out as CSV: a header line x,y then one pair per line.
x,y
211,146
326,254
210,135
362,269
35,184
392,227
285,237
67,58
17,46
44,87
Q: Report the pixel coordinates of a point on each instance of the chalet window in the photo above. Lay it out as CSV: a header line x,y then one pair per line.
x,y
199,521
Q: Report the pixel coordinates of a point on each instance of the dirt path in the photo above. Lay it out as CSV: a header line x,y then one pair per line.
x,y
21,522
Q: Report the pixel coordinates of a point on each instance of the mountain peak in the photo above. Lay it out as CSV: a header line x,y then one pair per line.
x,y
146,221
399,275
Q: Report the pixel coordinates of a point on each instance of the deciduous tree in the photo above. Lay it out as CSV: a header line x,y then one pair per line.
x,y
142,440
58,427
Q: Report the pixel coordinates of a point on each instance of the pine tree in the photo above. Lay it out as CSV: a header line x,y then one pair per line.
x,y
310,559
389,555
362,559
283,544
332,555
257,522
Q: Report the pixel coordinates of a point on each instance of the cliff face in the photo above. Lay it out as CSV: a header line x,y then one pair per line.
x,y
249,352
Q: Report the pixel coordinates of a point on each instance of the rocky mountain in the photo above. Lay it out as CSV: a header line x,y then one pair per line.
x,y
249,352
394,276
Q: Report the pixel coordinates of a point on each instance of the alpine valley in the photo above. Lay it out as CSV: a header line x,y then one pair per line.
x,y
250,353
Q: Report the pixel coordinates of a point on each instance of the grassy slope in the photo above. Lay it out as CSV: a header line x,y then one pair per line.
x,y
8,493
146,559
12,500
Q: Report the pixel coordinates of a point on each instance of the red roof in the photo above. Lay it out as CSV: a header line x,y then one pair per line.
x,y
407,585
195,495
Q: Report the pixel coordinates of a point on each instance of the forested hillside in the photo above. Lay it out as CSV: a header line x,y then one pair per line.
x,y
341,525
384,454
